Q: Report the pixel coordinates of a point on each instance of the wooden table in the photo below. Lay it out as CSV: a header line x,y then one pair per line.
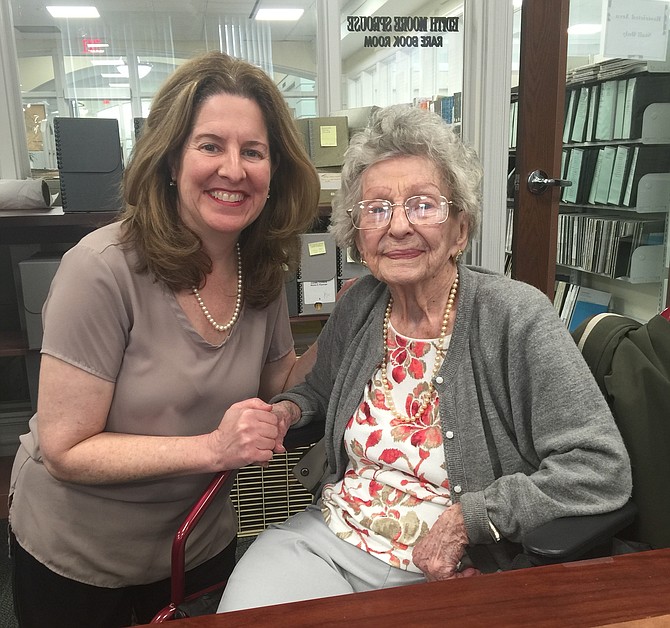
x,y
632,588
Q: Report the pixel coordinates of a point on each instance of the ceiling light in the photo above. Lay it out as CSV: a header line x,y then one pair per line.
x,y
279,15
584,29
126,85
73,12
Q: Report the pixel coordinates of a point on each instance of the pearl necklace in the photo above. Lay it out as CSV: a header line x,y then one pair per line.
x,y
428,395
238,300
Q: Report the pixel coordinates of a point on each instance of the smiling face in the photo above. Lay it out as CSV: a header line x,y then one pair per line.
x,y
224,170
403,254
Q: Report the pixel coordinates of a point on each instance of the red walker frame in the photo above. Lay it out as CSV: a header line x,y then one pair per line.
x,y
179,552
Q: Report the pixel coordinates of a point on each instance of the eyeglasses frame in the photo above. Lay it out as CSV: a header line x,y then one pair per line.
x,y
444,201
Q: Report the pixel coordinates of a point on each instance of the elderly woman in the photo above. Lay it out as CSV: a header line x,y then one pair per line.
x,y
457,408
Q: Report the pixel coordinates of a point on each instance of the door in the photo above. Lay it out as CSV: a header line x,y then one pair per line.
x,y
542,71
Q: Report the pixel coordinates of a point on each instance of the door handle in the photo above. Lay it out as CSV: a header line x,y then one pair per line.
x,y
539,181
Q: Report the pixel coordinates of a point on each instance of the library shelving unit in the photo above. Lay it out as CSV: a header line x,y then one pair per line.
x,y
613,227
24,233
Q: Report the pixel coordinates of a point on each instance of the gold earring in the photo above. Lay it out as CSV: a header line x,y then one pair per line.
x,y
458,256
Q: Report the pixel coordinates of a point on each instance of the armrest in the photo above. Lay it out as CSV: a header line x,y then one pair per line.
x,y
569,538
305,435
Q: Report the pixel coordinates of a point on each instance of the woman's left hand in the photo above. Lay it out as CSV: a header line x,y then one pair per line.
x,y
439,552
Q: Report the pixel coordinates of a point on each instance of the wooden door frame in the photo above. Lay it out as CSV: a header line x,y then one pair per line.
x,y
542,71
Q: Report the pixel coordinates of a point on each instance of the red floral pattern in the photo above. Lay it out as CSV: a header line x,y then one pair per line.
x,y
395,485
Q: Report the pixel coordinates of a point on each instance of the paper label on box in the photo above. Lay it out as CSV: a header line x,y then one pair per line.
x,y
318,292
330,180
328,135
317,248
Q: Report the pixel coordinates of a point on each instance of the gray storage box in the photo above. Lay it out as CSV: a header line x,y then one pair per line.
x,y
347,268
36,276
326,139
317,277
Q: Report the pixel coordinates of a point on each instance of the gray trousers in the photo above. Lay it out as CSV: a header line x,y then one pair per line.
x,y
302,559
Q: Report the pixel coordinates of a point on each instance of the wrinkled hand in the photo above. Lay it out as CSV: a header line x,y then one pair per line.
x,y
439,552
247,434
287,414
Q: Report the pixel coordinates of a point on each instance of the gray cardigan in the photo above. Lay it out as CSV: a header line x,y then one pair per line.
x,y
527,434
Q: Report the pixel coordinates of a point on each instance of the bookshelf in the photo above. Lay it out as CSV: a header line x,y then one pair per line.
x,y
24,233
613,228
613,231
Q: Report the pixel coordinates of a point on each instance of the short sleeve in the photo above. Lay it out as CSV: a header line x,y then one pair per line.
x,y
86,322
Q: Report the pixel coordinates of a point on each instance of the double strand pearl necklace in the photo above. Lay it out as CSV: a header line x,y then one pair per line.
x,y
428,395
238,300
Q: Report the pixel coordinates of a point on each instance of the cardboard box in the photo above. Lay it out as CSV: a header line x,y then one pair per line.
x,y
36,275
326,139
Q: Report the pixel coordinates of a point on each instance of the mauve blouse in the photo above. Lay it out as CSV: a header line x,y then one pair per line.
x,y
103,317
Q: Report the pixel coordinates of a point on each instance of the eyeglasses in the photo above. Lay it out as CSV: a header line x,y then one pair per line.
x,y
420,210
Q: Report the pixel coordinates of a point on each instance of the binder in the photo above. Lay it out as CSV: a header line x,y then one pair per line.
x,y
596,177
621,95
574,169
619,173
607,154
593,114
581,115
570,115
90,163
606,111
628,108
587,174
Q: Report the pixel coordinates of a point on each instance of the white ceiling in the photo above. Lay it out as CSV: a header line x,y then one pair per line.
x,y
174,21
188,17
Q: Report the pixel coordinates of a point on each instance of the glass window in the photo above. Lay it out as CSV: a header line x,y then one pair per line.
x,y
112,66
412,54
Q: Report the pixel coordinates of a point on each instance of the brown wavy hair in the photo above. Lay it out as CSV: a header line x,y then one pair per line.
x,y
165,246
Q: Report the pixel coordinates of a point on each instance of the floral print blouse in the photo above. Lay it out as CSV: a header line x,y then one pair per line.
x,y
395,486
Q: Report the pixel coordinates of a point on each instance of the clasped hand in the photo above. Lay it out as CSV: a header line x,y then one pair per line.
x,y
439,552
250,432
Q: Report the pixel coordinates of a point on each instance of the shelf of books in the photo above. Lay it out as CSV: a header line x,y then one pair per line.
x,y
613,228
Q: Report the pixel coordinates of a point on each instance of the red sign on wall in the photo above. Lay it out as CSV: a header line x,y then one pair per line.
x,y
93,46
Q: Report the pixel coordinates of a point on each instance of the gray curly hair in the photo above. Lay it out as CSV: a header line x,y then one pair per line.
x,y
399,131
